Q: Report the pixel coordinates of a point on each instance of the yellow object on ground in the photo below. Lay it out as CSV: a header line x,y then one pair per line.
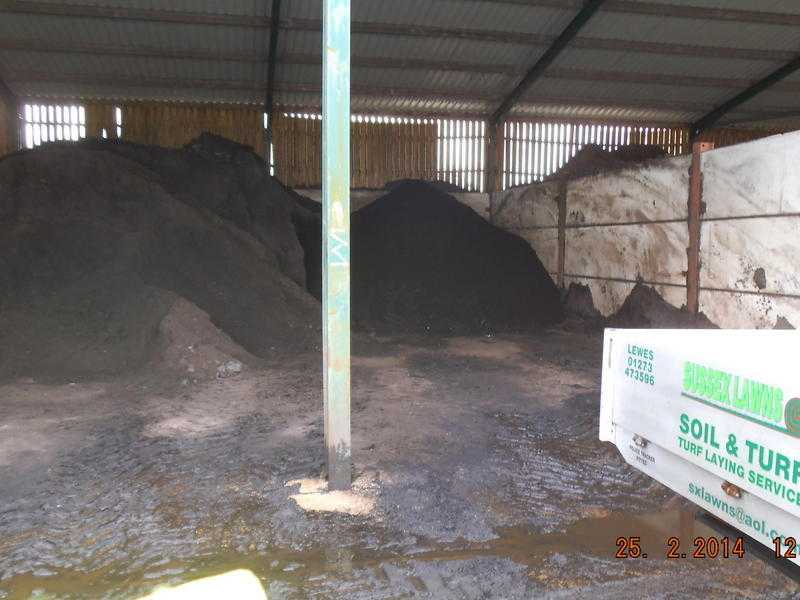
x,y
240,584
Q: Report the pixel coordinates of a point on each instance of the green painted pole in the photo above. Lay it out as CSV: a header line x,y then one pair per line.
x,y
336,239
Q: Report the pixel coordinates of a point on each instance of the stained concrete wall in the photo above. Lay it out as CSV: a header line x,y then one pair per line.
x,y
752,222
620,227
531,212
631,224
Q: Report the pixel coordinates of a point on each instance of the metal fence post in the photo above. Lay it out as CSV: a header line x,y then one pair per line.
x,y
336,239
694,223
562,231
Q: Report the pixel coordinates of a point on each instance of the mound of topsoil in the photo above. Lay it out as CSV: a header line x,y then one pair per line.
x,y
424,262
230,180
98,241
645,308
592,159
579,304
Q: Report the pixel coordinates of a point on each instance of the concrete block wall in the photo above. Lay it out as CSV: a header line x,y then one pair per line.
x,y
632,224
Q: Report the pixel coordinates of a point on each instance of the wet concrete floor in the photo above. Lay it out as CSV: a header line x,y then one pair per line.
x,y
479,458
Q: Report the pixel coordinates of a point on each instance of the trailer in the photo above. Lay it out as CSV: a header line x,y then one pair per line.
x,y
713,415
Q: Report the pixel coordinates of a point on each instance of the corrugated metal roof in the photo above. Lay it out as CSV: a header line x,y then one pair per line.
x,y
227,7
778,6
639,60
653,28
130,34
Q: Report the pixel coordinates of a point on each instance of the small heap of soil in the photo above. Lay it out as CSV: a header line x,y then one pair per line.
x,y
592,159
424,262
579,304
98,241
644,308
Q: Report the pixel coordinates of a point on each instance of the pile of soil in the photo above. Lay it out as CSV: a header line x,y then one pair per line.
x,y
579,304
228,179
98,241
592,159
644,308
424,262
307,220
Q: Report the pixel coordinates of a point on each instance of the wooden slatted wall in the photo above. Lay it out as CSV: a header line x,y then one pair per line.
x,y
382,149
298,150
533,150
461,153
174,125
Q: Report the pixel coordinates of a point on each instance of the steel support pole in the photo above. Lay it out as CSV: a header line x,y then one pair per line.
x,y
272,60
336,239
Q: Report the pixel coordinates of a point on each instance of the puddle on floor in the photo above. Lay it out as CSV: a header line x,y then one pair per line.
x,y
594,537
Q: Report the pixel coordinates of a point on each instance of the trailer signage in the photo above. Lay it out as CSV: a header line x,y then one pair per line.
x,y
745,396
705,412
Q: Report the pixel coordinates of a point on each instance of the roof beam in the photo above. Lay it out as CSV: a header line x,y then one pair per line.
x,y
85,11
561,42
704,13
659,9
253,57
45,46
694,51
669,79
120,81
612,6
754,90
766,119
381,62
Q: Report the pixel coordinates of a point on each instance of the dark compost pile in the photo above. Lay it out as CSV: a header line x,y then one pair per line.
x,y
97,240
424,262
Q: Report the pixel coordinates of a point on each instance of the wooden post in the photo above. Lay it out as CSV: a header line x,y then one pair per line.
x,y
694,223
490,173
494,157
13,123
562,231
336,239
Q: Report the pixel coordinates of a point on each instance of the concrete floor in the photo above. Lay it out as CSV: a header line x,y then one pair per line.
x,y
478,475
